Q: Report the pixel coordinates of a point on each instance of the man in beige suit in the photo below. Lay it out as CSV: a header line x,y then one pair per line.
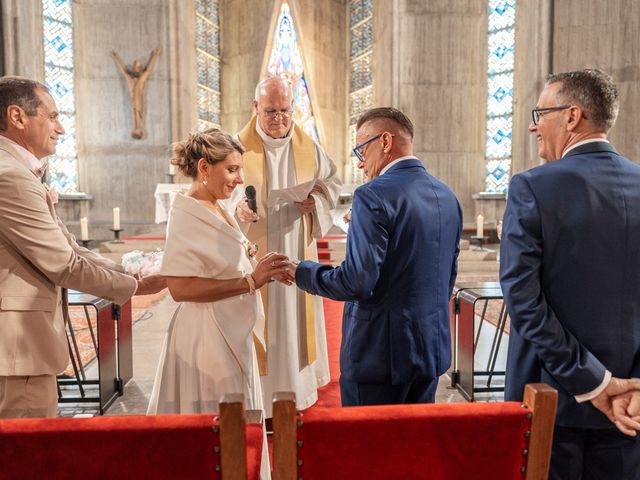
x,y
39,257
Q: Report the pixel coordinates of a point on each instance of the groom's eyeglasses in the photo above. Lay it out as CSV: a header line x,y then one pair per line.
x,y
358,150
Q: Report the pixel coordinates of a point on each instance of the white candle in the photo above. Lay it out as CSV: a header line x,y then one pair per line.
x,y
116,218
480,226
172,169
84,229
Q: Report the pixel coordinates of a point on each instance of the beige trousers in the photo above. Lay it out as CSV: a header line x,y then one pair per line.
x,y
28,396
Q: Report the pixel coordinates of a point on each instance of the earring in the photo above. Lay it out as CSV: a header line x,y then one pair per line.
x,y
205,181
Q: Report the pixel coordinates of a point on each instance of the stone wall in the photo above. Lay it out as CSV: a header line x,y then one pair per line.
x,y
555,36
115,168
430,62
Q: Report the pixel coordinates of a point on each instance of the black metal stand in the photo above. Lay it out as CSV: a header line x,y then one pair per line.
x,y
116,235
85,243
480,241
172,177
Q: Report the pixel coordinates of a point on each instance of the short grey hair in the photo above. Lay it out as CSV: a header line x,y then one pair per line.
x,y
19,91
387,113
593,91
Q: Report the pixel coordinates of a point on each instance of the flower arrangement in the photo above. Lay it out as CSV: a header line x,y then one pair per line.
x,y
142,264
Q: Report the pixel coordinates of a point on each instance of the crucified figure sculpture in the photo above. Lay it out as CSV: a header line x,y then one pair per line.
x,y
136,76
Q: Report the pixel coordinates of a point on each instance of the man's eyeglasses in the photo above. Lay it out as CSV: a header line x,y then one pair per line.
x,y
538,113
357,151
273,114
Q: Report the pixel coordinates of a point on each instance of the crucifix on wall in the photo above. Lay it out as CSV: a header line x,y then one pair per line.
x,y
136,77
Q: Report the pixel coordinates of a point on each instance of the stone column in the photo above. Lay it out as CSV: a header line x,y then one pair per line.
x,y
22,38
430,62
604,34
533,64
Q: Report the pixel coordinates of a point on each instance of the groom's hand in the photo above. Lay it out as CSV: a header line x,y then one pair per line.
x,y
288,277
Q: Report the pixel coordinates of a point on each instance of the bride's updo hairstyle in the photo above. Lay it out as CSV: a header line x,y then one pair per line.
x,y
212,144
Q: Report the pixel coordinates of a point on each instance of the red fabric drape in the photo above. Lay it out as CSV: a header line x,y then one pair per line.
x,y
140,447
434,442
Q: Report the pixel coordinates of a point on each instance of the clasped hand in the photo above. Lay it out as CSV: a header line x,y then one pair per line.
x,y
274,266
620,402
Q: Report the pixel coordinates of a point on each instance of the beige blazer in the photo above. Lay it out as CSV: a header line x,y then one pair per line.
x,y
39,257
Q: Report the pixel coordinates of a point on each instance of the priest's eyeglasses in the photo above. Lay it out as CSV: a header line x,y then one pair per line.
x,y
538,113
273,114
359,153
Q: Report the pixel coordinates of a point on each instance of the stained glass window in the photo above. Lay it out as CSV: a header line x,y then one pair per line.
x,y
361,56
285,60
208,62
57,28
502,18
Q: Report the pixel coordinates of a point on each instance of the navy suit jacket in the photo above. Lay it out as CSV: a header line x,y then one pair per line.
x,y
570,274
397,276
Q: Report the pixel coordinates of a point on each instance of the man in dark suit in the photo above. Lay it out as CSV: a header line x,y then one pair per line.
x,y
570,273
399,270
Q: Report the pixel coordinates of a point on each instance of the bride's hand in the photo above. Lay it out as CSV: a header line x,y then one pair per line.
x,y
271,265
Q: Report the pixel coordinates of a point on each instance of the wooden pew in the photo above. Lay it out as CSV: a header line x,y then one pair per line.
x,y
499,440
208,446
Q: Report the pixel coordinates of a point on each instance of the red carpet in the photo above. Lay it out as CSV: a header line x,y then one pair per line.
x,y
329,395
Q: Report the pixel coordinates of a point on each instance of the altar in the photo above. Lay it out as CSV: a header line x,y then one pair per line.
x,y
165,194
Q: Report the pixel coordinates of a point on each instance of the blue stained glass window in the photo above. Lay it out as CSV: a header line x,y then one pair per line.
x,y
361,74
499,137
501,46
57,29
361,58
360,10
502,14
208,62
361,37
500,95
498,175
285,60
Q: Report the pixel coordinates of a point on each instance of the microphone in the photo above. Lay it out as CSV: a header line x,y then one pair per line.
x,y
250,192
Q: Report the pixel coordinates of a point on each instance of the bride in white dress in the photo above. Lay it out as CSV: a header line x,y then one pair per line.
x,y
210,268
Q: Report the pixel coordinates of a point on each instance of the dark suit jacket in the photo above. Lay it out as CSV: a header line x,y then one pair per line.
x,y
399,269
570,273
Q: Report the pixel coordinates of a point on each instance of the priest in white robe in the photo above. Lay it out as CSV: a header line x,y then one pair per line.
x,y
297,189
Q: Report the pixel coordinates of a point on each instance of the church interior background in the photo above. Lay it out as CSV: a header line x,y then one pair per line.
x,y
467,73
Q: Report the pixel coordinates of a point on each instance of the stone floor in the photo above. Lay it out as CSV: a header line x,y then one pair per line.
x,y
149,333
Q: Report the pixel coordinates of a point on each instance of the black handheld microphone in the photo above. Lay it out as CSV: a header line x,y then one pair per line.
x,y
250,192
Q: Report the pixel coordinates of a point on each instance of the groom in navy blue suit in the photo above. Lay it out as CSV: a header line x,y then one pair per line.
x,y
399,270
570,273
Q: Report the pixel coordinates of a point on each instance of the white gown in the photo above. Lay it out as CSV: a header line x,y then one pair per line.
x,y
209,348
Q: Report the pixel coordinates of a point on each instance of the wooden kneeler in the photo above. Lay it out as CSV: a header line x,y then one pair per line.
x,y
506,440
233,436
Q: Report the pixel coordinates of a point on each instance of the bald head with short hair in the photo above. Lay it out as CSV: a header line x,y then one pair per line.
x,y
273,85
273,105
